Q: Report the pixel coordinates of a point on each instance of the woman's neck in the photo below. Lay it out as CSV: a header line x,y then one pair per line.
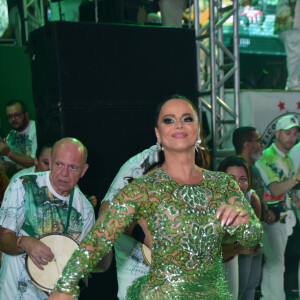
x,y
181,167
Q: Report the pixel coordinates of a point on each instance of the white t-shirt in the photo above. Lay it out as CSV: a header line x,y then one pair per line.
x,y
129,258
23,172
27,144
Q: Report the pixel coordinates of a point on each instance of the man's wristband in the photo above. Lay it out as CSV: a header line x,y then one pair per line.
x,y
295,178
9,154
18,242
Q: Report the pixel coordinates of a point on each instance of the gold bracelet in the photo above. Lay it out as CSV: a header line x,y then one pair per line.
x,y
295,178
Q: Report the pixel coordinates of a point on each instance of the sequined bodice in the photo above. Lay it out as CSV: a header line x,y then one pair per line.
x,y
181,215
186,250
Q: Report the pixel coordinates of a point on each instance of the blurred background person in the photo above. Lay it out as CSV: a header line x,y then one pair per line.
x,y
18,149
243,270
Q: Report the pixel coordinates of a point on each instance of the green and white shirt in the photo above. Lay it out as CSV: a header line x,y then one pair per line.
x,y
274,166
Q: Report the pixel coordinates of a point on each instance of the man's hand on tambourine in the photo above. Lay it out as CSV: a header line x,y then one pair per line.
x,y
39,253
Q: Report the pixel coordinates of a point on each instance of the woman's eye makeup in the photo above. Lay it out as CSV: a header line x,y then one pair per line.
x,y
188,119
168,120
185,119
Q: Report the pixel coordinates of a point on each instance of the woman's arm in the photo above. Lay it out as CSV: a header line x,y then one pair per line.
x,y
247,228
118,215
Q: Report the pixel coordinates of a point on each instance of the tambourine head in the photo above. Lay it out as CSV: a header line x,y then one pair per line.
x,y
146,254
62,247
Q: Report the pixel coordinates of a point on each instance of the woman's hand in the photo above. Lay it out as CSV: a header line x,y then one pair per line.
x,y
59,296
231,215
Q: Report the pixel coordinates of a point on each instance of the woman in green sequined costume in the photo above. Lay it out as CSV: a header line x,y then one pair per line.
x,y
185,212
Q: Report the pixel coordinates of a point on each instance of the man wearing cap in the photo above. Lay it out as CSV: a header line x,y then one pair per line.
x,y
279,177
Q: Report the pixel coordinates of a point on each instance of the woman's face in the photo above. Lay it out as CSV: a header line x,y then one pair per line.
x,y
43,162
177,126
239,174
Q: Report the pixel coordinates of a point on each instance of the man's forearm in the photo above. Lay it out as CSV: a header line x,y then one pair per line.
x,y
280,188
24,161
8,243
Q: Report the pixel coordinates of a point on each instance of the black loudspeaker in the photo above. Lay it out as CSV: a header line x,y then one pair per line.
x,y
101,84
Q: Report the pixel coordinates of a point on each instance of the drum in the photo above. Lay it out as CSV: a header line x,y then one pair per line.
x,y
146,253
62,247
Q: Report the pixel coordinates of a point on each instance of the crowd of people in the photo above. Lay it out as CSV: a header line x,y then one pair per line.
x,y
208,231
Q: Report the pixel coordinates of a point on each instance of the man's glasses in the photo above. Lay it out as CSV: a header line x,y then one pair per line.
x,y
14,116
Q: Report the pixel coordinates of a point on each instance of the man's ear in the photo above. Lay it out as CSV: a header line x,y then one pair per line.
x,y
85,167
246,144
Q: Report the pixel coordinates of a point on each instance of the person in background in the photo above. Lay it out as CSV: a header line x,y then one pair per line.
x,y
172,12
19,148
244,273
279,178
247,143
287,26
41,161
37,204
129,259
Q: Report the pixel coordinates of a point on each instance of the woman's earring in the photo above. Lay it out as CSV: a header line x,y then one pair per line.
x,y
198,145
159,147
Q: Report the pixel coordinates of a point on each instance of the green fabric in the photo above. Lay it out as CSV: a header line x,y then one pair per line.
x,y
274,166
45,213
187,237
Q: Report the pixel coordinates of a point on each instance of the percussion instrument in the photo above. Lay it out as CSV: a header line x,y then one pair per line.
x,y
146,254
62,247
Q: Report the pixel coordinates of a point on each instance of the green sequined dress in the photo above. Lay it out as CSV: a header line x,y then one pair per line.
x,y
186,250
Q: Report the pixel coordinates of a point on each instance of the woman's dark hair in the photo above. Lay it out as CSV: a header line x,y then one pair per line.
x,y
41,147
174,96
236,161
202,157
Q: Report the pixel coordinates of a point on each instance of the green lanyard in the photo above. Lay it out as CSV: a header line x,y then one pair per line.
x,y
69,211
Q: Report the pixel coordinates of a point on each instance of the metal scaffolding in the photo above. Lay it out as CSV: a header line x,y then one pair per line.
x,y
223,65
33,17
